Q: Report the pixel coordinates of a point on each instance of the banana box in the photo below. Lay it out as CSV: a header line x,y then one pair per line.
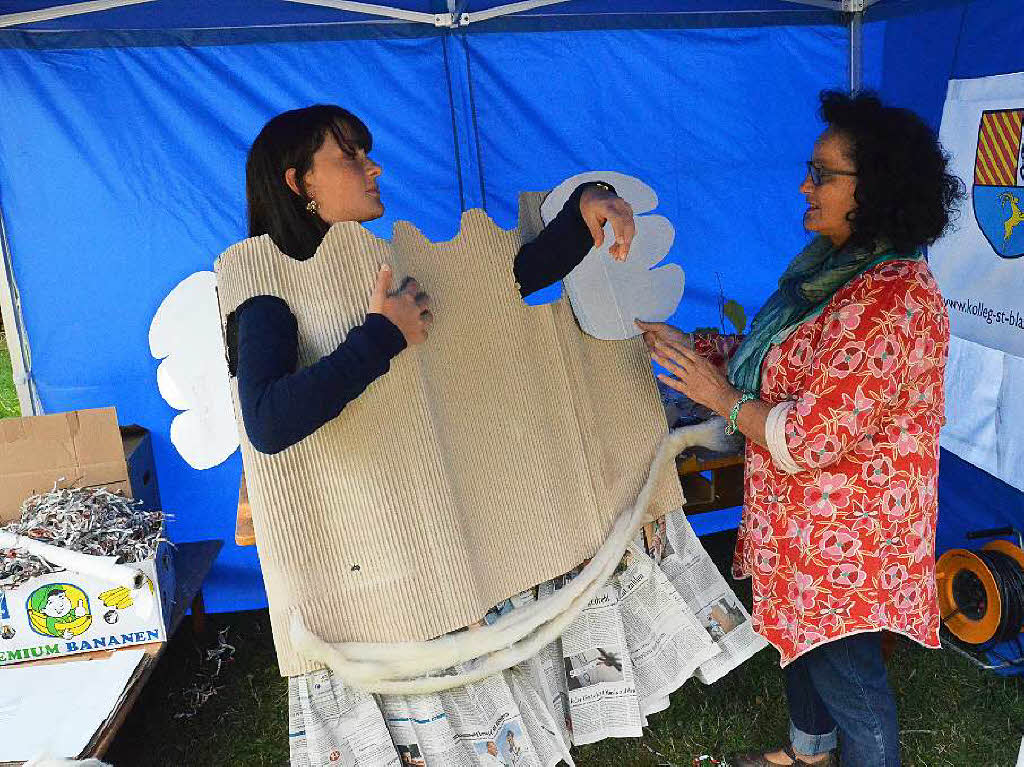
x,y
64,613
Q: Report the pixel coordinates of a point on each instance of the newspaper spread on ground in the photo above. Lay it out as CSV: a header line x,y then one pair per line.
x,y
666,615
331,724
697,579
666,641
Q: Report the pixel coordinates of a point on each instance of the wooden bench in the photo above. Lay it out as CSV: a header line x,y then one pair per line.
x,y
723,489
244,534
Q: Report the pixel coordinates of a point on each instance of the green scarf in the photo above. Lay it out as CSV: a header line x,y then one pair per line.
x,y
810,280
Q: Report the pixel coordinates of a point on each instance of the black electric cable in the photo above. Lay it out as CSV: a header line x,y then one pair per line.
x,y
1009,578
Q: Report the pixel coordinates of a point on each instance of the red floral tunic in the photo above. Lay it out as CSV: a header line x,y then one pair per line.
x,y
847,543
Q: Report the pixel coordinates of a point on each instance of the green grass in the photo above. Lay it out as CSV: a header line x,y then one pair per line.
x,y
952,714
8,395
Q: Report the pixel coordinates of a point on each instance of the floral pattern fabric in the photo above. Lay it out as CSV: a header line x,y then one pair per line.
x,y
847,543
716,348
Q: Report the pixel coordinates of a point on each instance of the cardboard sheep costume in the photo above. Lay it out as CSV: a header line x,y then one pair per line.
x,y
491,458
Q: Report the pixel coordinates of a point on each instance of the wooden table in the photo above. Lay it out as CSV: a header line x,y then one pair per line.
x,y
722,490
192,562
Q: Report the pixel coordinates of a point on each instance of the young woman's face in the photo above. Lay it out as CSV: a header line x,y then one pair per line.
x,y
344,186
830,202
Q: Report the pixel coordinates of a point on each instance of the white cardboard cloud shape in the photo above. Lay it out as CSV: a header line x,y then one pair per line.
x,y
193,377
606,295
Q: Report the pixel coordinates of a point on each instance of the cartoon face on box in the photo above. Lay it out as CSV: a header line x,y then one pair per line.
x,y
59,610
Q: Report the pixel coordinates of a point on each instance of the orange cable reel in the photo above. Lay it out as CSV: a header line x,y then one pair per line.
x,y
970,600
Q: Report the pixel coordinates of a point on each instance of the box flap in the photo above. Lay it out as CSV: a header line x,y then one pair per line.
x,y
82,447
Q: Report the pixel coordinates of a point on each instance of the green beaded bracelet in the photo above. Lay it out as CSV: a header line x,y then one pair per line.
x,y
747,396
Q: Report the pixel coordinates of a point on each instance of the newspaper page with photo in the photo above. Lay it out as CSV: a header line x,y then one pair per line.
x,y
504,720
332,724
488,721
421,731
697,579
544,724
550,664
599,676
666,641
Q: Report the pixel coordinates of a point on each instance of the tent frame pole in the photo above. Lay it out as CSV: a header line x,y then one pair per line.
x,y
832,5
61,11
14,327
500,10
856,51
434,19
854,9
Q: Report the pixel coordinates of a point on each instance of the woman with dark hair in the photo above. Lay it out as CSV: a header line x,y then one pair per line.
x,y
838,390
307,170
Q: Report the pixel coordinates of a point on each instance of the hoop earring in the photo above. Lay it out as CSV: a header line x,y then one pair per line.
x,y
311,206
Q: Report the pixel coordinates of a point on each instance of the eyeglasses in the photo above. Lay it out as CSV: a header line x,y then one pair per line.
x,y
820,175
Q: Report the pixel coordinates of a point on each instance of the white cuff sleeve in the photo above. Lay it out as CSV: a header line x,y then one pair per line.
x,y
775,436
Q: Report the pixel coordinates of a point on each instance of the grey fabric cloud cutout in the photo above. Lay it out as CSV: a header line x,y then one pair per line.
x,y
606,295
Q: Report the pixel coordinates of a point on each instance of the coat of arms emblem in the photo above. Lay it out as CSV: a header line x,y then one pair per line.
x,y
999,180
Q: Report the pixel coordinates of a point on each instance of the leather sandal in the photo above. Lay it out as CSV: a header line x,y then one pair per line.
x,y
759,759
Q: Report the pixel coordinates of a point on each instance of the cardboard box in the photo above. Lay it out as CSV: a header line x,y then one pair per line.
x,y
138,454
80,449
66,613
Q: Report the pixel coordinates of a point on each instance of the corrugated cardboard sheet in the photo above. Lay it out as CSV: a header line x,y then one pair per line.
x,y
489,459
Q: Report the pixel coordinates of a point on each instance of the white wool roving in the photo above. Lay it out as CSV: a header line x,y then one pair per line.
x,y
399,668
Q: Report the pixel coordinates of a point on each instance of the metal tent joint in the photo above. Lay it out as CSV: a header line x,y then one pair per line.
x,y
857,6
456,16
452,20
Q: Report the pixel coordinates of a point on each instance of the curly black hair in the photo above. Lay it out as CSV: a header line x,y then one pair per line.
x,y
905,193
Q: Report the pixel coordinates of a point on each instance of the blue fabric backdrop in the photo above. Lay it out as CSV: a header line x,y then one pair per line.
x,y
121,171
923,49
124,173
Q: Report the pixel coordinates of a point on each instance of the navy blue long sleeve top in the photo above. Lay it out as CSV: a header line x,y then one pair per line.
x,y
282,405
557,250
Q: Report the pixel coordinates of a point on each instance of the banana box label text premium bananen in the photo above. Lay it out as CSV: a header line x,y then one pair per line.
x,y
64,613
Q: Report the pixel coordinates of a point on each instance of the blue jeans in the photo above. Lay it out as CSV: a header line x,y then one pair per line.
x,y
842,686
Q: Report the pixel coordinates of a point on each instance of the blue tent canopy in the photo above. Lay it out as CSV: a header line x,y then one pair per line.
x,y
125,131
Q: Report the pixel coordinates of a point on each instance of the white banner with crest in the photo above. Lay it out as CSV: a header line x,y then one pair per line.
x,y
980,269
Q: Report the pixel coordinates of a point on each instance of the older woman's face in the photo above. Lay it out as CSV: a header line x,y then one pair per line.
x,y
829,205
